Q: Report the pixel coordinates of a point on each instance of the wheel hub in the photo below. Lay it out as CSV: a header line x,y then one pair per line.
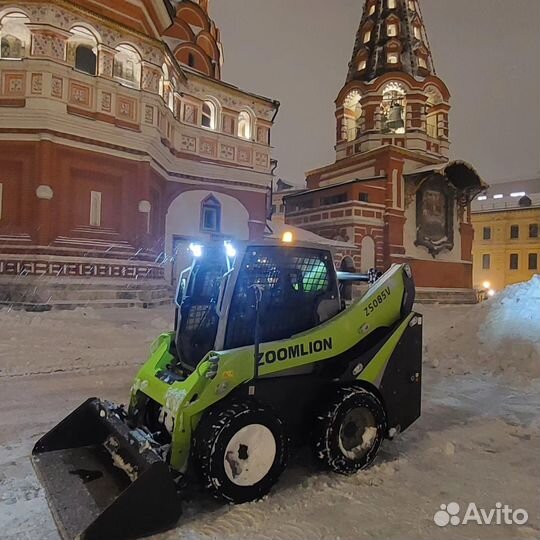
x,y
249,455
358,433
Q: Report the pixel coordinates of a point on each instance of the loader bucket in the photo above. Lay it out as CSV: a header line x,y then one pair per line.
x,y
104,481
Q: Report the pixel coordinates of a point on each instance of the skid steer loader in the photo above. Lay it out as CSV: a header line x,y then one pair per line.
x,y
265,357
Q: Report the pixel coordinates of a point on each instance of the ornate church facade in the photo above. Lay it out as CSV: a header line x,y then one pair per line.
x,y
120,143
392,190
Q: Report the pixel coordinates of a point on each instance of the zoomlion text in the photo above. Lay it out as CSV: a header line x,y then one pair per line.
x,y
294,351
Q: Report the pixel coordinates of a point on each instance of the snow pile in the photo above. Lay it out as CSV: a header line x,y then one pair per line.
x,y
499,336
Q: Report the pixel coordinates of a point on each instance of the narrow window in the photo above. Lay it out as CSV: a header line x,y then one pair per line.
x,y
391,4
209,115
367,36
487,233
244,125
211,215
486,262
422,62
191,60
95,208
362,65
417,32
514,261
371,9
392,30
533,261
533,230
412,5
514,232
392,58
363,197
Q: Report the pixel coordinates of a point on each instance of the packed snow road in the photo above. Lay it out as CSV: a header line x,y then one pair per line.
x,y
478,440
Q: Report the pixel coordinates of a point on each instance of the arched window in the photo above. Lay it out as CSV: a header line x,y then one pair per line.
x,y
432,120
82,50
208,119
244,125
367,254
85,59
191,60
14,36
211,215
352,109
393,108
127,66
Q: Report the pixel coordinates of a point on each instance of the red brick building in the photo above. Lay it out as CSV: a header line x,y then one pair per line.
x,y
119,143
391,189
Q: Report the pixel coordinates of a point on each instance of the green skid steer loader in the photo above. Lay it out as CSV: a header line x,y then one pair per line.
x,y
265,357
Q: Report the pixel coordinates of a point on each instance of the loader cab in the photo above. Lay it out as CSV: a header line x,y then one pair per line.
x,y
217,303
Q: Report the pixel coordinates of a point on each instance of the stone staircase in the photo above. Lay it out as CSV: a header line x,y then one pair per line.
x,y
42,294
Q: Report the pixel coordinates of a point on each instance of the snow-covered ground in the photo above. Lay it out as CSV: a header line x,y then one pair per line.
x,y
478,439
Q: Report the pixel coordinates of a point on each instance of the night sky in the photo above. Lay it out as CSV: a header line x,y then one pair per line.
x,y
487,52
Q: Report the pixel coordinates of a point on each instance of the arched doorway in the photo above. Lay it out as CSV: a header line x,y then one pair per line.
x,y
201,216
367,254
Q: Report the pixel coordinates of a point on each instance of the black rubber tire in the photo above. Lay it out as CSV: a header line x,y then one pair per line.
x,y
330,422
213,434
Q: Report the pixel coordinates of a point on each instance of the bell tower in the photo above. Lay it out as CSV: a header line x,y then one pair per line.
x,y
392,95
391,190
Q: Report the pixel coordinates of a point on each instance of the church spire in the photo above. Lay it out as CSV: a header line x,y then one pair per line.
x,y
391,37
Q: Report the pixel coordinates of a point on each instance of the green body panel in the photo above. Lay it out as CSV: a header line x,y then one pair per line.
x,y
185,401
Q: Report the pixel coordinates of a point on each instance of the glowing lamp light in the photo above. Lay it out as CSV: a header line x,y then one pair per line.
x,y
229,250
196,250
498,196
287,237
482,198
486,285
518,194
491,292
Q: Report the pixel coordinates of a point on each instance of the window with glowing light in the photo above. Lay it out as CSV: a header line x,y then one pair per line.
x,y
208,115
422,62
127,66
412,5
393,108
362,65
392,58
244,125
367,36
391,4
417,32
371,10
15,37
392,30
352,109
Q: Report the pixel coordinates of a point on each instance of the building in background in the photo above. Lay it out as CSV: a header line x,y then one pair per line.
x,y
120,144
392,190
506,221
281,189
